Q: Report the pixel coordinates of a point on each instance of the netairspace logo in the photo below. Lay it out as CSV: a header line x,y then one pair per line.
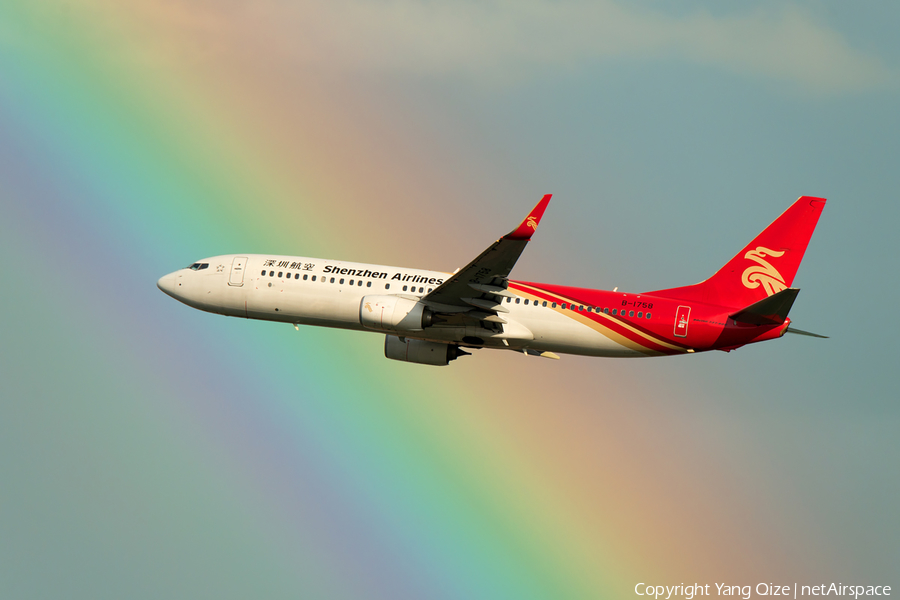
x,y
689,592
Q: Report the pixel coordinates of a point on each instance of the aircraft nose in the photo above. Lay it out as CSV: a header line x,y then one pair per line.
x,y
167,284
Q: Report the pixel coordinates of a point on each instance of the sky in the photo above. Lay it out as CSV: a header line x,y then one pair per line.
x,y
151,450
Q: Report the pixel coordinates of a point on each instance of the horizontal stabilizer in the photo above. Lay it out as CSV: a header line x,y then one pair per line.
x,y
772,310
801,332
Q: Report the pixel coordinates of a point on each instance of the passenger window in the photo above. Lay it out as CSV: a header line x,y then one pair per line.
x,y
351,282
545,303
526,301
263,272
280,273
313,277
341,281
296,275
387,286
421,290
359,283
615,311
404,288
630,313
429,290
305,276
508,300
640,315
553,304
518,300
606,310
648,315
332,280
581,307
369,284
271,273
563,305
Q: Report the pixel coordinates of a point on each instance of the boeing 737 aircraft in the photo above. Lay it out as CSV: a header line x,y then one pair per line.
x,y
429,317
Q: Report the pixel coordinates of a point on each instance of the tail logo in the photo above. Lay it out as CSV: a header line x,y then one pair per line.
x,y
531,222
763,273
368,307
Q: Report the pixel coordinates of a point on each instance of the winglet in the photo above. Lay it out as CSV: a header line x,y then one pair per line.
x,y
527,228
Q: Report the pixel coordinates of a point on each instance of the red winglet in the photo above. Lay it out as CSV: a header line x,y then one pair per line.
x,y
527,228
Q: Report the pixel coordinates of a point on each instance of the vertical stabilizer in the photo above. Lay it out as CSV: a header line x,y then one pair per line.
x,y
766,266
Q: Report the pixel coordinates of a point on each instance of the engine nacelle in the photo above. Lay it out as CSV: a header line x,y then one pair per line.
x,y
393,313
421,352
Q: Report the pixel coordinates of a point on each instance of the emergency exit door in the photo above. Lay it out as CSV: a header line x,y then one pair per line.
x,y
237,271
682,316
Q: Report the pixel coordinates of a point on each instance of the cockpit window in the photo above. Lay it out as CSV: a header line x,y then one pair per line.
x,y
198,266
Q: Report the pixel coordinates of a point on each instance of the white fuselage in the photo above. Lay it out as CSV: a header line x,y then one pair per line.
x,y
329,293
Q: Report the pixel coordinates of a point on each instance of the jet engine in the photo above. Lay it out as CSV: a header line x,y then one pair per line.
x,y
421,352
393,313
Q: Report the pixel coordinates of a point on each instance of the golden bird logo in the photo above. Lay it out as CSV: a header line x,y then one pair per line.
x,y
368,307
531,222
763,273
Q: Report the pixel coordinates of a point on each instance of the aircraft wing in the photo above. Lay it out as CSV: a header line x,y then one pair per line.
x,y
479,288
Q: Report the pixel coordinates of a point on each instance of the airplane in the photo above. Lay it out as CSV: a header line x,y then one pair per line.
x,y
434,317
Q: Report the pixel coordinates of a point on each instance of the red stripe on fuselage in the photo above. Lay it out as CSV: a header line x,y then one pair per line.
x,y
643,337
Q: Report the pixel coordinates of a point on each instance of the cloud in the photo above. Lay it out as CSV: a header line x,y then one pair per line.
x,y
515,38
487,41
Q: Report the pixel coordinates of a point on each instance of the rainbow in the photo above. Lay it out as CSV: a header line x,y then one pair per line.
x,y
229,455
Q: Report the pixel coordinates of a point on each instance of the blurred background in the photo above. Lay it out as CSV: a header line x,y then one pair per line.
x,y
150,450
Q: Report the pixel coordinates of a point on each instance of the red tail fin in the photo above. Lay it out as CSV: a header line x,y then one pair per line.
x,y
765,267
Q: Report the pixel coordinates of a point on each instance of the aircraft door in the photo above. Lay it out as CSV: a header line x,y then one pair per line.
x,y
238,266
682,316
